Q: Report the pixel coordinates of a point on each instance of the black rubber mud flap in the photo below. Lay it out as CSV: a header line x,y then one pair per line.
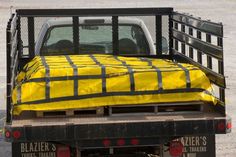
x,y
195,146
34,149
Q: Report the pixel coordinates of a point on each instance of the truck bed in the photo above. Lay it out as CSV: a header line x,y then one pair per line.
x,y
121,125
123,81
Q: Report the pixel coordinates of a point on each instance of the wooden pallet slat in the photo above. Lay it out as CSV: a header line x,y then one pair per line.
x,y
98,111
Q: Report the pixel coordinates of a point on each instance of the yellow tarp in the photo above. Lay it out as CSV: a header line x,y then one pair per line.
x,y
81,81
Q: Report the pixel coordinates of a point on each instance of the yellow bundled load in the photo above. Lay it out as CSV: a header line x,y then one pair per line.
x,y
81,81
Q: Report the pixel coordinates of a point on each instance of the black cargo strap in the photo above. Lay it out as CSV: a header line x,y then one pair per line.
x,y
75,73
187,75
103,68
131,73
98,95
18,94
47,77
159,76
83,77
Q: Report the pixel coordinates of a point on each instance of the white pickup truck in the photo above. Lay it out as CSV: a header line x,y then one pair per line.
x,y
176,129
95,35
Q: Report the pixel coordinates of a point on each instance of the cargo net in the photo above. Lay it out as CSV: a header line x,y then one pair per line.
x,y
54,83
74,71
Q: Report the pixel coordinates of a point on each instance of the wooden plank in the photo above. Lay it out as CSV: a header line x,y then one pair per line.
x,y
98,111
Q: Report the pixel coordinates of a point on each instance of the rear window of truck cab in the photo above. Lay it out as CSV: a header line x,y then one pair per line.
x,y
94,39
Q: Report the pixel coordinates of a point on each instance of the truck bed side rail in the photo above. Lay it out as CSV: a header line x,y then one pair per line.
x,y
199,42
12,38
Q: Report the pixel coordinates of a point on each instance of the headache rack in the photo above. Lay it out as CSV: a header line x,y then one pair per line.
x,y
189,40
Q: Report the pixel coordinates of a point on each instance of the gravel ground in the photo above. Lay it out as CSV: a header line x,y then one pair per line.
x,y
216,10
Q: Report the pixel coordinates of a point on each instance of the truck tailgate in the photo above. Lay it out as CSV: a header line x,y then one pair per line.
x,y
142,126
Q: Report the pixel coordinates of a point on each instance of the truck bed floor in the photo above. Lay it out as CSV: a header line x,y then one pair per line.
x,y
114,119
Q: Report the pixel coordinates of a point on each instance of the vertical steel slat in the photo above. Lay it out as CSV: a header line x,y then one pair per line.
x,y
221,69
208,38
220,63
199,53
183,48
115,35
31,36
76,34
176,45
8,46
183,44
219,41
209,62
183,28
176,26
19,41
190,31
158,35
8,57
209,59
170,35
222,94
199,57
176,41
190,52
199,34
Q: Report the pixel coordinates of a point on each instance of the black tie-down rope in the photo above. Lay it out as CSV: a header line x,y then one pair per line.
x,y
75,73
159,76
18,94
131,73
187,74
104,89
47,77
128,93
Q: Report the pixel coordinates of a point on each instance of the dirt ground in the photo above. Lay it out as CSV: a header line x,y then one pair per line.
x,y
217,10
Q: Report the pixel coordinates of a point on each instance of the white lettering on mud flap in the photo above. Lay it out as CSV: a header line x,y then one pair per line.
x,y
38,149
194,144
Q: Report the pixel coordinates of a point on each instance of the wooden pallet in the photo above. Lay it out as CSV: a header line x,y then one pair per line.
x,y
156,109
98,111
147,109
